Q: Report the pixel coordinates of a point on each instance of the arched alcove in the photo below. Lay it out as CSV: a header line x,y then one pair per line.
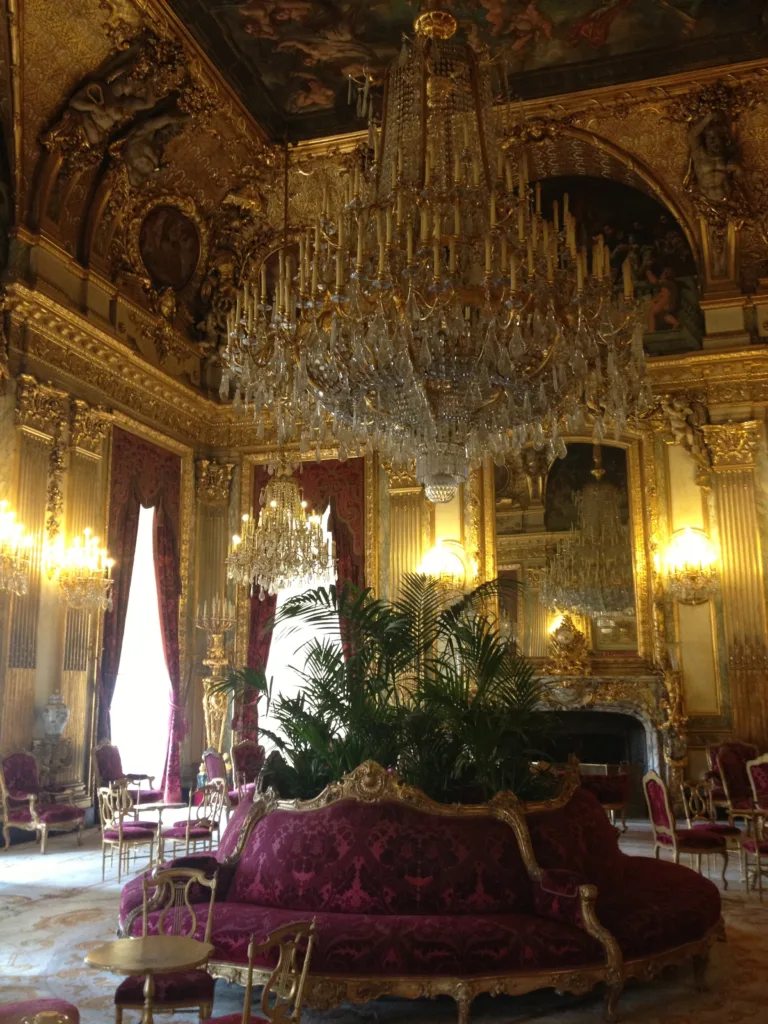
x,y
637,226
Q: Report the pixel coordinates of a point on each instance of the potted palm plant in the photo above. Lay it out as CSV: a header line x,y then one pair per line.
x,y
425,686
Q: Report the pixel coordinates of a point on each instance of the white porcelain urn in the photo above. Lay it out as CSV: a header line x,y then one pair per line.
x,y
55,715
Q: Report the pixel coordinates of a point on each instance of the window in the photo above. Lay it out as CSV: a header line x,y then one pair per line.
x,y
285,652
141,702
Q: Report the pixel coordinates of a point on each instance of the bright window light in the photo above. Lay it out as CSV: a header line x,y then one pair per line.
x,y
141,703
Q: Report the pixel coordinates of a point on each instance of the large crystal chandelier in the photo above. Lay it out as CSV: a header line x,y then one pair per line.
x,y
83,571
433,313
14,553
285,545
591,571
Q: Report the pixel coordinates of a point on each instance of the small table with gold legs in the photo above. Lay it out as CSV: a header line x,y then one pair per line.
x,y
155,954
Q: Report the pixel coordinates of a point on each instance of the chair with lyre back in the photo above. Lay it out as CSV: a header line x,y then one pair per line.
x,y
120,829
172,906
201,826
283,989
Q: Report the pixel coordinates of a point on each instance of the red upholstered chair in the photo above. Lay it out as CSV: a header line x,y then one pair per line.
x,y
39,1011
610,783
216,768
732,761
201,825
757,773
247,762
25,805
666,834
109,769
121,828
175,894
283,991
713,775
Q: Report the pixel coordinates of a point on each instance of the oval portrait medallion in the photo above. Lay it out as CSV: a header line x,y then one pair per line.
x,y
169,244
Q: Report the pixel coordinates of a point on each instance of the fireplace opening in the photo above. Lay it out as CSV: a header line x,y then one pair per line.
x,y
604,737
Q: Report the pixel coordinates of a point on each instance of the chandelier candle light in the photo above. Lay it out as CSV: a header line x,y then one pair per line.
x,y
83,571
15,548
432,312
286,545
690,567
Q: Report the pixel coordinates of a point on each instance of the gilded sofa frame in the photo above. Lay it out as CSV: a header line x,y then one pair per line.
x,y
370,783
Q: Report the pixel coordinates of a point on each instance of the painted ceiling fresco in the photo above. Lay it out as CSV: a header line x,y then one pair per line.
x,y
289,58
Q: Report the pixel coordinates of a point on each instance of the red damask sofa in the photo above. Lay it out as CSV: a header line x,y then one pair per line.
x,y
415,899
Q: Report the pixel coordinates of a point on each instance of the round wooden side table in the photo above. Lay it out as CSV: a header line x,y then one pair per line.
x,y
155,954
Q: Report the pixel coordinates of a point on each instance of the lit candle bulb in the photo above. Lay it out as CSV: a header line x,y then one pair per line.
x,y
629,288
410,245
488,255
513,273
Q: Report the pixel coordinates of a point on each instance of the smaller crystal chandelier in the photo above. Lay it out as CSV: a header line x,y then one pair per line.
x,y
591,571
286,545
83,571
14,553
689,567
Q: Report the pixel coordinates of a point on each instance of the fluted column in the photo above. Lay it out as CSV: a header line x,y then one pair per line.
x,y
40,419
82,629
734,449
410,528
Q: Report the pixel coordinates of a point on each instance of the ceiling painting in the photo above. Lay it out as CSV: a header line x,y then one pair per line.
x,y
289,59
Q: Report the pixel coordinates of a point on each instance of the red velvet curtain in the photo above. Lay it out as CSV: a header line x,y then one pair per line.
x,y
168,581
342,484
144,474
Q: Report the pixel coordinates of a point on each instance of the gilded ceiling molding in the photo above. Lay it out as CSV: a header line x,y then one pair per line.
x,y
534,130
733,445
164,21
213,481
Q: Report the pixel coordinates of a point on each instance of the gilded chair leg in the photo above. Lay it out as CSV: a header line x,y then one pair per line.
x,y
700,964
103,861
43,838
611,1005
463,1004
118,1015
698,863
6,837
624,818
80,835
724,855
206,1011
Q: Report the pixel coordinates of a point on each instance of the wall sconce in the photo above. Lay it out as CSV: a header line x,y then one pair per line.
x,y
15,549
83,571
446,561
690,566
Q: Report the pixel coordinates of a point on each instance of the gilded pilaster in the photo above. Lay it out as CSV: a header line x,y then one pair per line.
x,y
408,528
40,417
734,449
536,615
88,429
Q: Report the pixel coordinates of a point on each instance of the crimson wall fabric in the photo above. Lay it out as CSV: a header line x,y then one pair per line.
x,y
144,475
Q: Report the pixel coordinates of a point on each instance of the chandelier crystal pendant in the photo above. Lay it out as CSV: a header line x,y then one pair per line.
x,y
591,572
83,571
432,312
285,546
15,550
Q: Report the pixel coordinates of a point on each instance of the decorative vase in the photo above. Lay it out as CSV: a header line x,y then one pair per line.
x,y
55,715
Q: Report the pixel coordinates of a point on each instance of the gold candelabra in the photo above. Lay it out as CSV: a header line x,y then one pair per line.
x,y
216,621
